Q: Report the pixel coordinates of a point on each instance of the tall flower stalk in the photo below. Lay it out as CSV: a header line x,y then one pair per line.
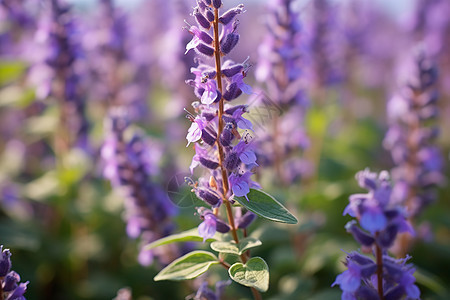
x,y
280,68
128,165
224,149
412,113
215,123
58,76
378,221
228,164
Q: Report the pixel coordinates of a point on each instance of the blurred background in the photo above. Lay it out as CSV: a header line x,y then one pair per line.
x,y
80,78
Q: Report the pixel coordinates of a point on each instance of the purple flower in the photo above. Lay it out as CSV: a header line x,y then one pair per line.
x,y
412,113
349,280
211,223
57,63
195,131
241,184
381,219
10,284
280,71
207,228
127,166
219,148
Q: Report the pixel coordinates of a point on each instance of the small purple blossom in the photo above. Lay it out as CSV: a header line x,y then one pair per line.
x,y
380,220
10,284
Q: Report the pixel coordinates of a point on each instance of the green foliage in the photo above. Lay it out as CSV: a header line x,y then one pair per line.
x,y
190,235
267,207
255,274
188,266
232,248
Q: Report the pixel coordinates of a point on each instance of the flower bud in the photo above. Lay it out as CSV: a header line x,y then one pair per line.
x,y
227,136
10,282
208,138
217,3
5,262
229,15
229,43
209,196
209,163
222,227
201,20
245,221
232,92
231,161
203,49
210,15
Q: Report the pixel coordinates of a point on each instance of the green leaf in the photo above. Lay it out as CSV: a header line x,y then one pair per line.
x,y
248,243
190,235
232,248
255,273
225,247
188,266
264,205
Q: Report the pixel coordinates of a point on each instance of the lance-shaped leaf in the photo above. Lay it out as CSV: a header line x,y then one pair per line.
x,y
188,266
255,274
232,248
265,206
190,235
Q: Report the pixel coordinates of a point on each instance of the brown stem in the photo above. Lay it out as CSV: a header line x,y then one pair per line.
x,y
256,294
225,264
379,257
221,125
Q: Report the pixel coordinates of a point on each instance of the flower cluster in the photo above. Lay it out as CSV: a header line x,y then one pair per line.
x,y
227,155
57,75
10,286
280,67
118,63
380,219
324,45
411,134
128,165
16,18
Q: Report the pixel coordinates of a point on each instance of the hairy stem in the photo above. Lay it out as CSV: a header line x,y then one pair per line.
x,y
226,187
379,257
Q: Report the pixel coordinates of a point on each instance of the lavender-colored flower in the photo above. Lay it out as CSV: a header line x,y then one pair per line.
x,y
118,58
206,122
324,45
148,211
360,280
281,68
56,73
411,134
17,23
380,219
10,286
225,154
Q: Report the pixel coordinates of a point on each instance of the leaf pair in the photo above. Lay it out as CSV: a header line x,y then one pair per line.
x,y
255,273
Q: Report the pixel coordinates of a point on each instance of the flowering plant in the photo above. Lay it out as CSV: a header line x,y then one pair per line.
x,y
224,149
